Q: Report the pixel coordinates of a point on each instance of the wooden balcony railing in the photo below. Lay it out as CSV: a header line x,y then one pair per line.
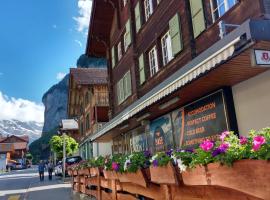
x,y
100,99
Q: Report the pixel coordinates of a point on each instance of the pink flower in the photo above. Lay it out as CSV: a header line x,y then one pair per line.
x,y
258,141
224,135
115,166
207,145
224,146
243,140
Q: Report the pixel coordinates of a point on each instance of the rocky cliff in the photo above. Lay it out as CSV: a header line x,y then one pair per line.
x,y
55,102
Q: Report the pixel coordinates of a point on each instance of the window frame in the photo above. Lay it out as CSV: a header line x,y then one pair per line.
x,y
153,59
227,7
148,9
119,51
165,45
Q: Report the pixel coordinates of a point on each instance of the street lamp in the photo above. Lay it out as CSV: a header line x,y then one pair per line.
x,y
61,132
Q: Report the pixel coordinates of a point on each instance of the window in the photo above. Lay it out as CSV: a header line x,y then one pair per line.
x,y
166,45
141,69
148,8
153,61
124,3
220,7
127,36
113,57
119,50
81,129
124,89
87,122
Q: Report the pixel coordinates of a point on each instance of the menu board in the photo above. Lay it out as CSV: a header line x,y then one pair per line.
x,y
203,119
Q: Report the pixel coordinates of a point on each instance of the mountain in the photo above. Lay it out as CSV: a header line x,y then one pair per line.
x,y
18,128
55,102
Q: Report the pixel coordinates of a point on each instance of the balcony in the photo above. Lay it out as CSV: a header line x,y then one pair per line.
x,y
100,99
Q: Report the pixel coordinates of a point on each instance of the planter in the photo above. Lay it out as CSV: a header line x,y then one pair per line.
x,y
75,172
70,172
248,176
163,175
95,171
196,176
83,171
139,178
110,175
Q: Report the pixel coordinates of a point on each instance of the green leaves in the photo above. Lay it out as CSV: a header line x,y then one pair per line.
x,y
57,142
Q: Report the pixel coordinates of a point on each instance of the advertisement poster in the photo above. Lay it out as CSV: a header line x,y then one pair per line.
x,y
178,125
139,142
203,119
161,133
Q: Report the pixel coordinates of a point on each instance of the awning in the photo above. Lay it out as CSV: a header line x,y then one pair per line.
x,y
220,52
69,124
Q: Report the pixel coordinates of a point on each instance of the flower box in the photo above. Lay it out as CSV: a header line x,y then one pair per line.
x,y
195,176
81,172
248,176
95,171
140,177
75,172
70,172
110,175
164,175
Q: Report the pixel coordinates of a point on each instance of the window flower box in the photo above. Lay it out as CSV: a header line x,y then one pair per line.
x,y
163,175
141,177
110,175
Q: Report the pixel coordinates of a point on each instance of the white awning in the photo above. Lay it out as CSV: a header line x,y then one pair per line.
x,y
69,124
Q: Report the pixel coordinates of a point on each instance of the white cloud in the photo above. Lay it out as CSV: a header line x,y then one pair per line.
x,y
83,19
20,109
54,26
60,76
78,42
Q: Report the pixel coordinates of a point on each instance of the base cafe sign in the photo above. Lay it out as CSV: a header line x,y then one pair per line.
x,y
203,119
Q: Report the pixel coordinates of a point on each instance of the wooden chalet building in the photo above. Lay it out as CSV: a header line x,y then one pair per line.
x,y
14,148
88,104
181,71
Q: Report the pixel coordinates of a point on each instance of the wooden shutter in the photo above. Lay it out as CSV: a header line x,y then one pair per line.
x,y
138,17
127,84
120,91
197,15
175,33
113,57
141,69
128,33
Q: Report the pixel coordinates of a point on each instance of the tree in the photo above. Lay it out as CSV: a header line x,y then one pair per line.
x,y
29,156
56,144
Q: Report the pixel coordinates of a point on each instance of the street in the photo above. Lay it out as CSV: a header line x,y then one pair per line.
x,y
25,185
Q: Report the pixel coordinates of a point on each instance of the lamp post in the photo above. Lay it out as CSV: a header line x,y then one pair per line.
x,y
64,155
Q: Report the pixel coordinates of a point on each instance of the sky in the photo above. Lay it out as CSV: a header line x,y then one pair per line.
x,y
39,41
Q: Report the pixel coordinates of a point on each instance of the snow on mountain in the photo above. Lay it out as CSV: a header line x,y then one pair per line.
x,y
16,127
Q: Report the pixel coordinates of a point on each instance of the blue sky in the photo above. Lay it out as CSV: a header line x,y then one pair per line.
x,y
39,41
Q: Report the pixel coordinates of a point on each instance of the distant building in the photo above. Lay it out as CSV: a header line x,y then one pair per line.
x,y
13,148
88,102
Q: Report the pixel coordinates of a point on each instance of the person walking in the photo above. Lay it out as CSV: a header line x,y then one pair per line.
x,y
50,170
41,169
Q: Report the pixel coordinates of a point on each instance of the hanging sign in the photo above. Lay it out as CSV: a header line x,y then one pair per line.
x,y
261,57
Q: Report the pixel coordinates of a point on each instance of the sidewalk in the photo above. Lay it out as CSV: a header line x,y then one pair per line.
x,y
49,190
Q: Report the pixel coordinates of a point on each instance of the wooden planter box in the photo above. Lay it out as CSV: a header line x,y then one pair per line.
x,y
248,176
195,176
95,171
75,172
84,171
110,175
70,172
140,177
164,175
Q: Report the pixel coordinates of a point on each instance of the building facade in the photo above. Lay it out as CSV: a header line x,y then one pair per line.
x,y
88,105
181,71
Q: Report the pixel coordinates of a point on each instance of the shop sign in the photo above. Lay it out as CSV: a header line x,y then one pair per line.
x,y
203,119
262,57
161,134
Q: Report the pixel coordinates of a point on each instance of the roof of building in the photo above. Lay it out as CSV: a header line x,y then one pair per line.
x,y
89,76
69,124
24,138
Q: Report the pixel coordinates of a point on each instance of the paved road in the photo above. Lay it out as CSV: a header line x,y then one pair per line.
x,y
25,185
